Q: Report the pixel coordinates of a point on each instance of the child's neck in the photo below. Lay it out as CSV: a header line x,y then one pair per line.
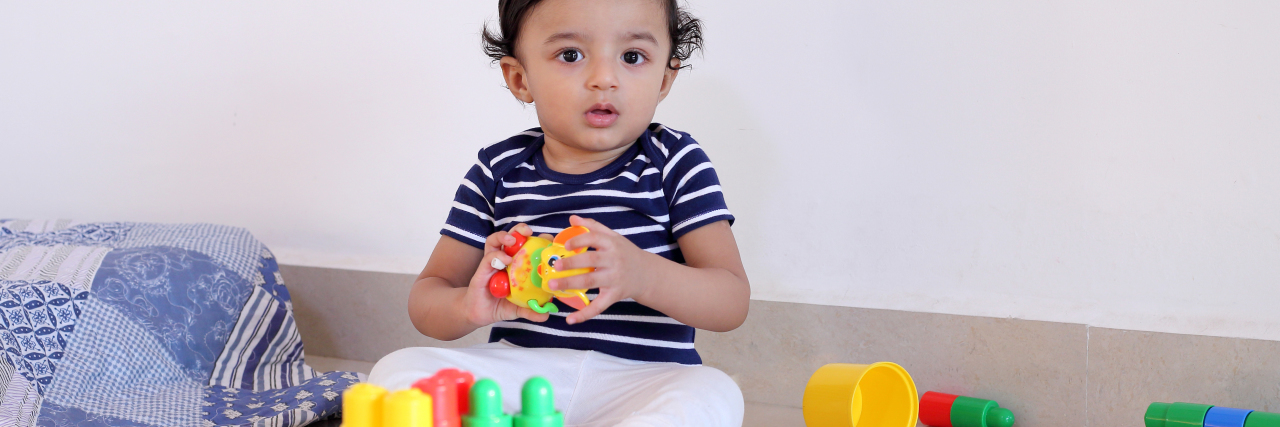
x,y
570,160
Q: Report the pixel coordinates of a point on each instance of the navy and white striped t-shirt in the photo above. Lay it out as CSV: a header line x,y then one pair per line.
x,y
660,189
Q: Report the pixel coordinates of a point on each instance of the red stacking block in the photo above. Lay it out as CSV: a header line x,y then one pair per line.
x,y
935,409
449,389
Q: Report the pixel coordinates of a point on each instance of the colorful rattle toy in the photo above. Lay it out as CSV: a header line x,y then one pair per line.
x,y
1196,415
533,264
846,395
449,399
949,410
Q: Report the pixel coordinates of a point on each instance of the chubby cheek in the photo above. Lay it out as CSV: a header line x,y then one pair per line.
x,y
554,93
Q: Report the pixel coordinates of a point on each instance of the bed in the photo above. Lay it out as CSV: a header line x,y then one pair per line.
x,y
139,324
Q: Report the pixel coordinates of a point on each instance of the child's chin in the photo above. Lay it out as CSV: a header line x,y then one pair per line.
x,y
606,139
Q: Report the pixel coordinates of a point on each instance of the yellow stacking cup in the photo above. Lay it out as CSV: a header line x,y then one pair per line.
x,y
362,405
407,408
848,395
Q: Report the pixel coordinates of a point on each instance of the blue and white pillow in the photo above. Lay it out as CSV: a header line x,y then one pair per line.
x,y
130,324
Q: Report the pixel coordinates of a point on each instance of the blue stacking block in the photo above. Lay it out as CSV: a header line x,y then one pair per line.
x,y
1219,416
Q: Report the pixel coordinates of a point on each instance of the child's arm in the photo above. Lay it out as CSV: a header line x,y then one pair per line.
x,y
451,297
710,292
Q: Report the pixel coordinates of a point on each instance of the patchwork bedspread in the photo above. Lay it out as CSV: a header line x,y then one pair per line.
x,y
132,324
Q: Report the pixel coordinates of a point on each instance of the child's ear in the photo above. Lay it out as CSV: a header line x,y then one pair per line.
x,y
517,80
668,77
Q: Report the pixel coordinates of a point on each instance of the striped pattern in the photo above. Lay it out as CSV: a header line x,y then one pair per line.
x,y
264,351
21,400
74,266
663,187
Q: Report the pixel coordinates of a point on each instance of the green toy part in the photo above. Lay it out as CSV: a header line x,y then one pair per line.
x,y
538,407
486,406
972,412
1262,419
1176,414
535,259
549,308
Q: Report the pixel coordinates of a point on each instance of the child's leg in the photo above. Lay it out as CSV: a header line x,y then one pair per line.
x,y
619,392
506,364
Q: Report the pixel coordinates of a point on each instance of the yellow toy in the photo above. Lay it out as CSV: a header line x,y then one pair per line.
x,y
846,395
367,405
533,263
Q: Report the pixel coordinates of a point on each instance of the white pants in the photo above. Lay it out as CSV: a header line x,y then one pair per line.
x,y
591,388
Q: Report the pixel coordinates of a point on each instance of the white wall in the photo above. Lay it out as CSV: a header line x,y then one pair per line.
x,y
1115,163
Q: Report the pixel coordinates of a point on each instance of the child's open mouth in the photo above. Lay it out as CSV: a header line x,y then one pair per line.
x,y
601,115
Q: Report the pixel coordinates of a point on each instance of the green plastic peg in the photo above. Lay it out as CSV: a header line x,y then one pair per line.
x,y
538,407
1262,419
1176,414
973,412
486,406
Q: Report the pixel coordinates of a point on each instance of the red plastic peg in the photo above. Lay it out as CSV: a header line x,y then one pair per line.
x,y
449,390
935,409
520,239
500,284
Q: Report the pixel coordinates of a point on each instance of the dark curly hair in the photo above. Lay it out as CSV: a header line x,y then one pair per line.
x,y
684,29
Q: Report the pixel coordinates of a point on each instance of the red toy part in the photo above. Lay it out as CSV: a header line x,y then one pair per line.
x,y
511,250
463,381
449,390
500,284
935,409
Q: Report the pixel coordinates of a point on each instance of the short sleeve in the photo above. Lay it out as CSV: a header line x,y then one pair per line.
x,y
471,217
692,186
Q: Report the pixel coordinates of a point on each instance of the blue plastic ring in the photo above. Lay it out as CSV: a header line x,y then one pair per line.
x,y
1219,416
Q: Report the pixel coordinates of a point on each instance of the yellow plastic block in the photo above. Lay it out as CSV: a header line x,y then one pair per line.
x,y
362,405
407,408
848,395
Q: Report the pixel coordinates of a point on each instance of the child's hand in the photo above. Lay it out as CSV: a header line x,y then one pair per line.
x,y
482,308
622,270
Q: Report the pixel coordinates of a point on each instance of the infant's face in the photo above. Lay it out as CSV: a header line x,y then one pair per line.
x,y
595,69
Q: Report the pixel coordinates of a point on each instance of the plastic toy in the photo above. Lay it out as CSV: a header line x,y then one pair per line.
x,y
486,406
533,263
450,393
448,389
537,405
1181,414
362,405
410,407
847,395
949,410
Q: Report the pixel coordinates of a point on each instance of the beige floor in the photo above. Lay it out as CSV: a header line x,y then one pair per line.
x,y
757,414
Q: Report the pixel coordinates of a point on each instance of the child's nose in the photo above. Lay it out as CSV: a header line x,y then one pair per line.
x,y
602,76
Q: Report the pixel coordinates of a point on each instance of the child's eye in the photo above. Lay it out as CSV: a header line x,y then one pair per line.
x,y
570,56
633,58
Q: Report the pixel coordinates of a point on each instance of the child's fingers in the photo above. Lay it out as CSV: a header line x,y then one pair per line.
x,y
522,228
506,310
495,241
600,241
581,281
591,224
597,306
582,260
528,313
547,236
487,265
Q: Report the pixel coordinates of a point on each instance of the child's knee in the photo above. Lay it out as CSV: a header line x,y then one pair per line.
x,y
714,381
707,386
395,367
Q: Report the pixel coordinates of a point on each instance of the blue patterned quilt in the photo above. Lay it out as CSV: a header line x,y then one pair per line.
x,y
131,324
